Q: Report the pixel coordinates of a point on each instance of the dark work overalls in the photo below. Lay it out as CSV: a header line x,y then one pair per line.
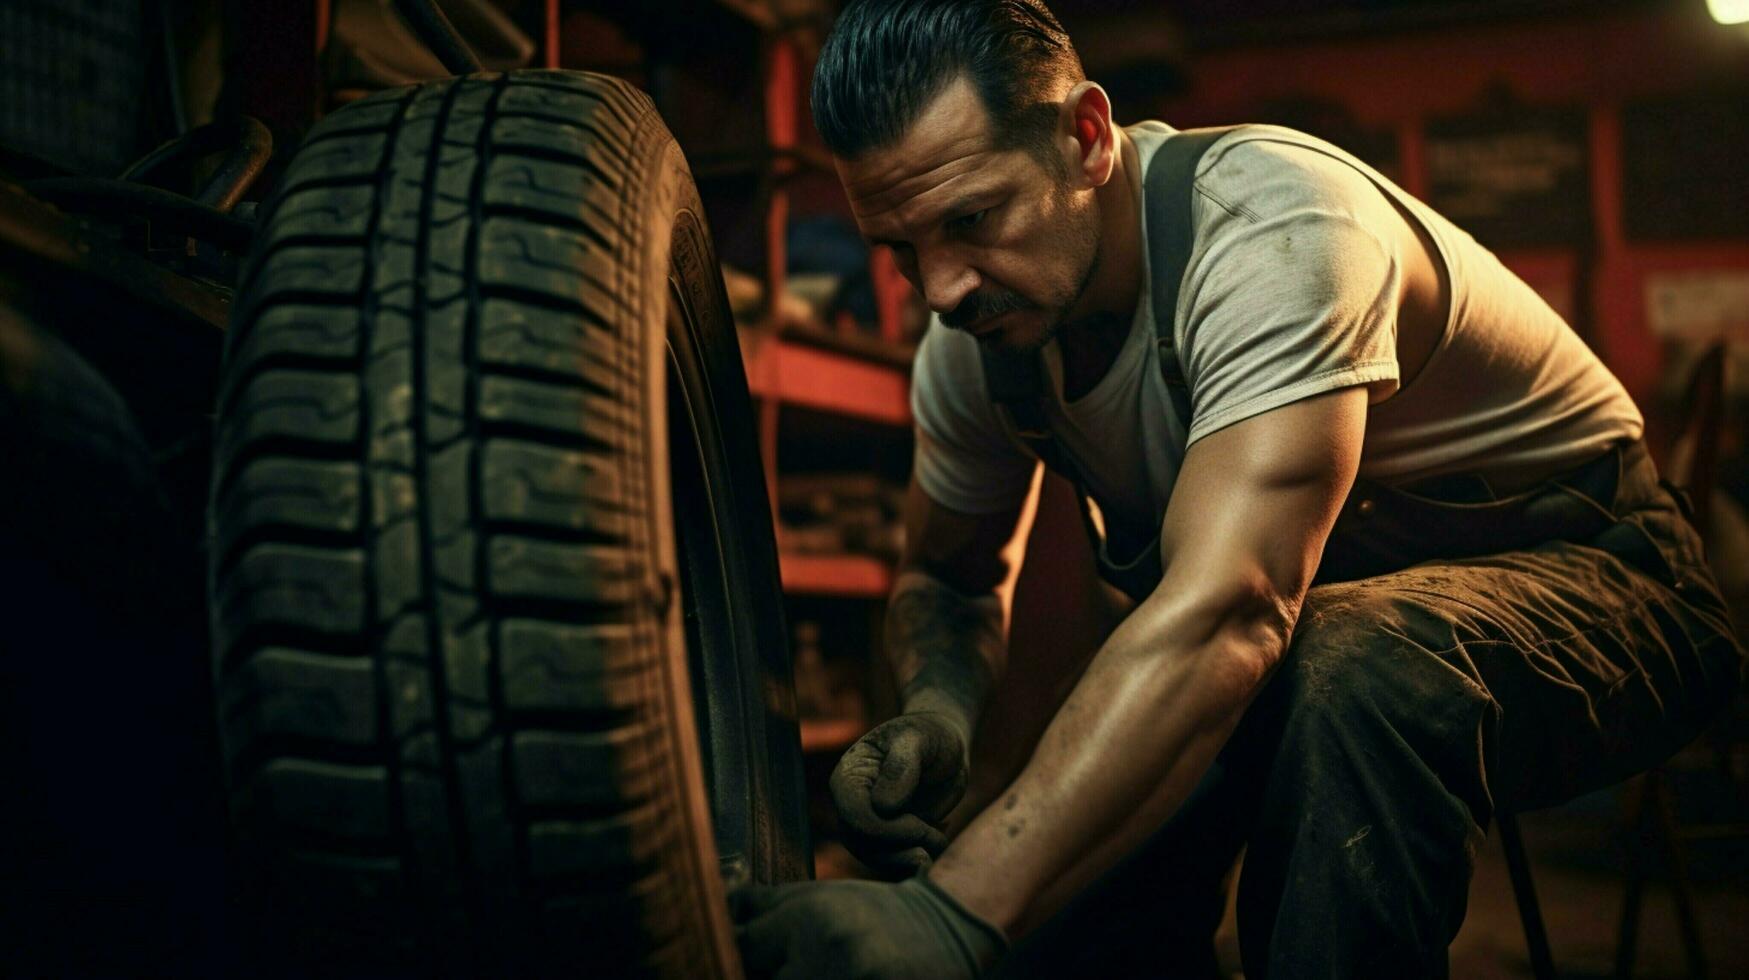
x,y
1460,653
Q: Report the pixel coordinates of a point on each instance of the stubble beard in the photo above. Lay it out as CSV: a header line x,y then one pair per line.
x,y
1059,317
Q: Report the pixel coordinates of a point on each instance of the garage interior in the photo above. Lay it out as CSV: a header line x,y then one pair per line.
x,y
1599,147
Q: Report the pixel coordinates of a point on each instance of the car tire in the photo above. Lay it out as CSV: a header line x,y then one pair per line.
x,y
498,640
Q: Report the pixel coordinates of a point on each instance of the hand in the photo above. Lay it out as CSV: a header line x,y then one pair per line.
x,y
894,787
861,929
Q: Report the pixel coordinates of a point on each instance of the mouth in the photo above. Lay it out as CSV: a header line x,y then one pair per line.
x,y
987,328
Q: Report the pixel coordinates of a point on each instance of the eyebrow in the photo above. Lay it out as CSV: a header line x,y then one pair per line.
x,y
961,205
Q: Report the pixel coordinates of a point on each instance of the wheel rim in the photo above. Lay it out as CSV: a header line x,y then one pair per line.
x,y
713,627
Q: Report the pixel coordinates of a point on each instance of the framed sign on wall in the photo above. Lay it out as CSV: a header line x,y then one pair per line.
x,y
1513,177
1684,161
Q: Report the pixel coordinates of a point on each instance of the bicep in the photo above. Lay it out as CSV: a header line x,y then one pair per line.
x,y
1253,506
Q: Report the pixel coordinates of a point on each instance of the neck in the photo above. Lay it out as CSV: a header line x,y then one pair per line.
x,y
1095,328
1089,349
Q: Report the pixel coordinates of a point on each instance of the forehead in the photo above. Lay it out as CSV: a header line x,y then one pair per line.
x,y
948,151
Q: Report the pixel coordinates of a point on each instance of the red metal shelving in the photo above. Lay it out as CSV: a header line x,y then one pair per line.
x,y
853,576
785,372
831,734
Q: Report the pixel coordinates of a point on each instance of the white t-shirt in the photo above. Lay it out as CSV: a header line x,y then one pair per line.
x,y
1289,292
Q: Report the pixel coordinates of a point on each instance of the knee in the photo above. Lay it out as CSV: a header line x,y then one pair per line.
x,y
1365,663
1330,670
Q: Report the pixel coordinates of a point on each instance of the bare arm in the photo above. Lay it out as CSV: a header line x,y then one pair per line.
x,y
945,620
895,787
1241,540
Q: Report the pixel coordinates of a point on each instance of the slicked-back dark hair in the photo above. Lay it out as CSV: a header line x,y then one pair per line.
x,y
886,59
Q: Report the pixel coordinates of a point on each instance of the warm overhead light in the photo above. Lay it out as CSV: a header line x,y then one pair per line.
x,y
1729,11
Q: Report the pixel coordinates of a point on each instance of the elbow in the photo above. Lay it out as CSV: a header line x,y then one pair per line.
x,y
1245,663
1247,632
967,575
1265,611
942,584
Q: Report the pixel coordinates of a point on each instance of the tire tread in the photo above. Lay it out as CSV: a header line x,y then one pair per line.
x,y
427,441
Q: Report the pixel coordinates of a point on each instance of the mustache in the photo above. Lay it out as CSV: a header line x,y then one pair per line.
x,y
982,306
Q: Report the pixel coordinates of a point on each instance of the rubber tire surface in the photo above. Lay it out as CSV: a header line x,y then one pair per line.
x,y
448,657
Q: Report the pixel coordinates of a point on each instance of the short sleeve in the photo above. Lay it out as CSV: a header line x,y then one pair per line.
x,y
1290,293
965,460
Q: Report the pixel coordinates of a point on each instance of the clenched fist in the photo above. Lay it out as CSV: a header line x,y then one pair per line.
x,y
894,787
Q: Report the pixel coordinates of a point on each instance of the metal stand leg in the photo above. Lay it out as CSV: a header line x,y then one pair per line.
x,y
1536,939
1652,827
1679,885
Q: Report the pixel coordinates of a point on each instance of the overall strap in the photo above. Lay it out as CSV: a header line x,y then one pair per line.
x,y
1016,380
1169,192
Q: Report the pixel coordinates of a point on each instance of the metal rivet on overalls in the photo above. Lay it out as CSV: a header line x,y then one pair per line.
x,y
1365,508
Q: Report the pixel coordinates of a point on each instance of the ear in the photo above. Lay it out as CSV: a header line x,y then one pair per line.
x,y
1086,136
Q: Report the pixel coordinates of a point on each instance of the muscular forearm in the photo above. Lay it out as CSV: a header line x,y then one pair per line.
x,y
1139,730
946,648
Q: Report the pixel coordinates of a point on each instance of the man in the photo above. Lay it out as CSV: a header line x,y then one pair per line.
x,y
1398,556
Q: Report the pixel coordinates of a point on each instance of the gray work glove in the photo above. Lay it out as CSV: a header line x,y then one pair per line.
x,y
865,930
895,786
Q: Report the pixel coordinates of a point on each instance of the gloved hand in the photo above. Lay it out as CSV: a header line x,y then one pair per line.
x,y
895,786
861,929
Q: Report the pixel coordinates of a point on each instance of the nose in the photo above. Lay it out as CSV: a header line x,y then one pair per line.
x,y
946,281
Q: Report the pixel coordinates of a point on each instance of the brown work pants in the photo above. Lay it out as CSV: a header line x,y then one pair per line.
x,y
1559,641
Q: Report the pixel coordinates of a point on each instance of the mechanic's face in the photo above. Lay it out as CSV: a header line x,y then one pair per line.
x,y
996,242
